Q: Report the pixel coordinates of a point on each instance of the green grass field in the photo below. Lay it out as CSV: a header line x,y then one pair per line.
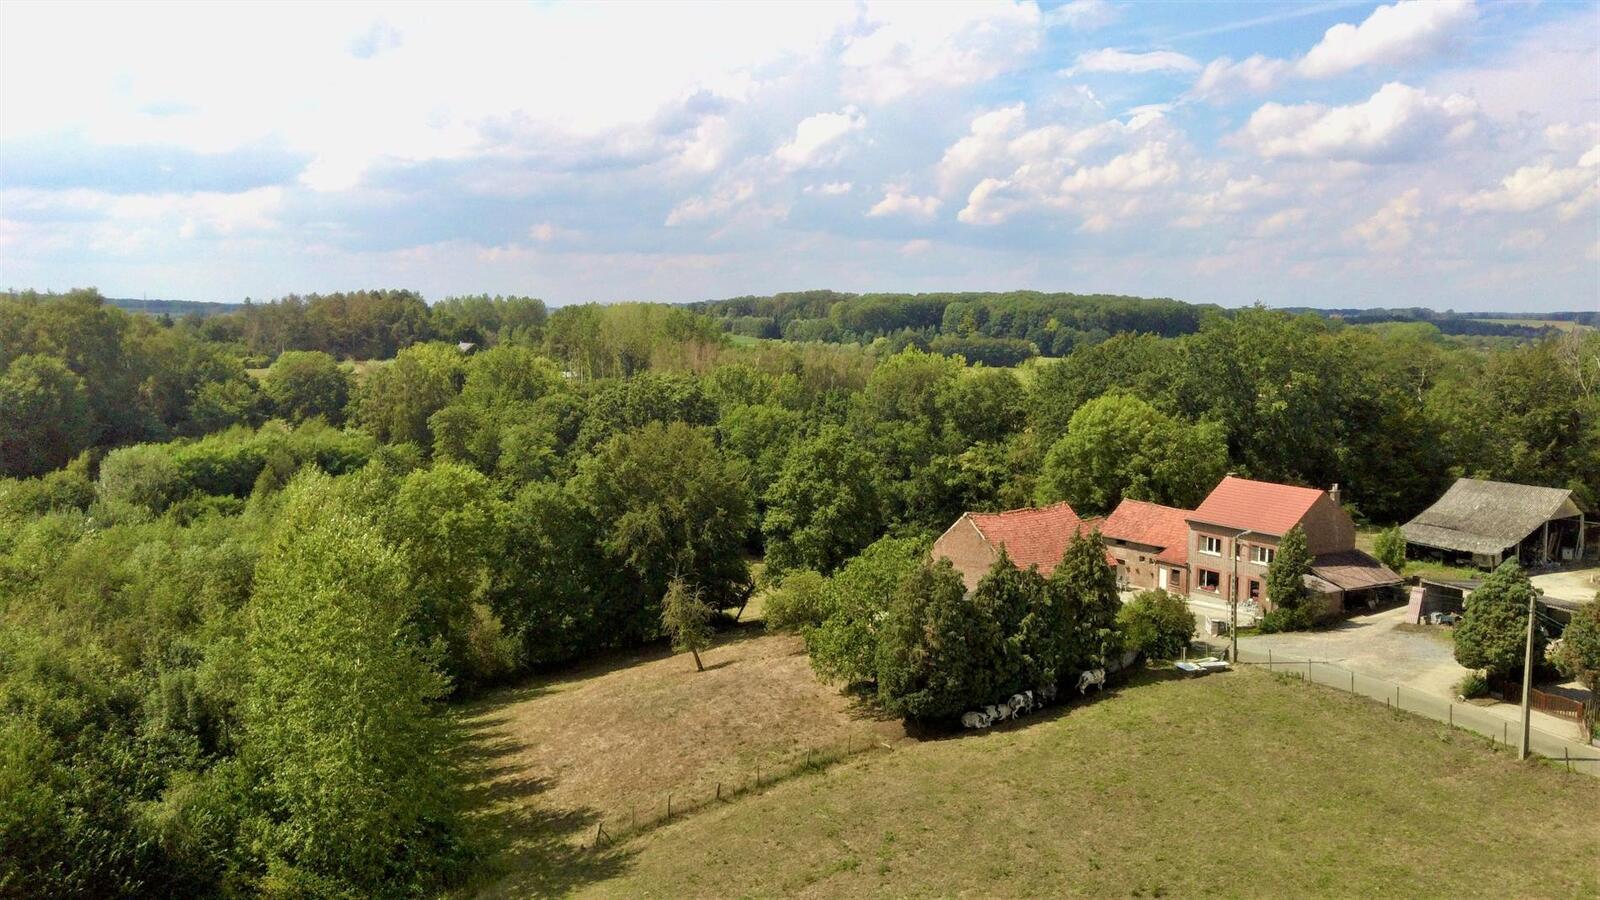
x,y
1558,324
1242,784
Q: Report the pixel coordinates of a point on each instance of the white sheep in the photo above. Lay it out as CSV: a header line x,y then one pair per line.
x,y
1092,678
975,720
999,712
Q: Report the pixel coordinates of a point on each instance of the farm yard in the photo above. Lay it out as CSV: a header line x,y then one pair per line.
x,y
1245,784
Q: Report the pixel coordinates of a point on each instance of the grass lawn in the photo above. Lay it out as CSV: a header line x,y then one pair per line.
x,y
1241,784
1365,539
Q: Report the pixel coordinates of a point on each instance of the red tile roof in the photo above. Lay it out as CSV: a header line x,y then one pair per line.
x,y
1260,506
1033,536
1139,522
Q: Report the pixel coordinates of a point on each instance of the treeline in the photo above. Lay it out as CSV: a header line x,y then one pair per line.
x,y
212,646
996,329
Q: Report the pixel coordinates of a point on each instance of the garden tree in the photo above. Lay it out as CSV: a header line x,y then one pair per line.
x,y
1119,446
1390,548
797,601
1579,655
45,417
396,400
343,738
844,647
938,654
1286,579
1085,586
823,507
142,477
1142,365
1157,624
984,405
670,504
686,619
1492,634
445,522
305,383
1030,620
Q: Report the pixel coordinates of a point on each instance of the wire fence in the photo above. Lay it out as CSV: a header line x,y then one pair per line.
x,y
1574,755
761,773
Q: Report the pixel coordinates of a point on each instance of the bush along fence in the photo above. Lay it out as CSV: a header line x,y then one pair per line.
x,y
1572,754
763,773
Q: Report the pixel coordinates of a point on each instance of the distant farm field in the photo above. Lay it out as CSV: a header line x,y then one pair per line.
x,y
1242,784
1558,324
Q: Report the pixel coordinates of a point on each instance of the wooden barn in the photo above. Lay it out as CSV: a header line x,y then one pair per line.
x,y
1484,523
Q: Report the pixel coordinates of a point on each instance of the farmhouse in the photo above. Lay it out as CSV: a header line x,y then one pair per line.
x,y
1233,539
1483,523
1031,537
1150,544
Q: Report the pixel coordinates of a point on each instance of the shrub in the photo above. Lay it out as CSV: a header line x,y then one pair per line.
x,y
142,476
1157,624
797,602
1473,685
1390,548
1285,619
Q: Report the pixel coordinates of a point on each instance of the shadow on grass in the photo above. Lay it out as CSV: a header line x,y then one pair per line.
x,y
1070,702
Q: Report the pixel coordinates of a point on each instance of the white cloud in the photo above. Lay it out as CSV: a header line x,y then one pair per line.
x,y
1535,187
816,138
916,247
1390,228
898,201
1223,78
1391,35
830,189
1394,122
1083,15
912,47
1109,60
1279,222
1147,167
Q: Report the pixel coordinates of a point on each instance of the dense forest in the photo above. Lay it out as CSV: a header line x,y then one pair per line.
x,y
230,543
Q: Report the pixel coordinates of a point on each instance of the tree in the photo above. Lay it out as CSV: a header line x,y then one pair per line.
x,y
824,506
45,417
142,476
341,722
797,602
686,619
1086,589
844,647
1492,634
938,652
306,383
1286,577
670,504
1390,548
1157,624
396,400
1579,655
1120,446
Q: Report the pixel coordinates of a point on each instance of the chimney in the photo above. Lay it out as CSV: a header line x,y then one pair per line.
x,y
1334,493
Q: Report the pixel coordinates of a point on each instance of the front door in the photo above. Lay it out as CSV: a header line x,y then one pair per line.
x,y
1161,577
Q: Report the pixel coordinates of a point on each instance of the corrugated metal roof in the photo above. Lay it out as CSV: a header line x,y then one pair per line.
x,y
1486,516
1260,506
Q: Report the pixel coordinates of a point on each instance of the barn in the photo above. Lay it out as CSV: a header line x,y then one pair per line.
x,y
1484,523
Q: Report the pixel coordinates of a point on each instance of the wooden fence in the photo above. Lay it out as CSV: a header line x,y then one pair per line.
x,y
1557,705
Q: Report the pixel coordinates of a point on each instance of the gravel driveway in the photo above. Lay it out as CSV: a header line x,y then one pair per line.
x,y
1372,645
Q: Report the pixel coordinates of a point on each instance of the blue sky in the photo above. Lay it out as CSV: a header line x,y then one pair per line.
x,y
1333,154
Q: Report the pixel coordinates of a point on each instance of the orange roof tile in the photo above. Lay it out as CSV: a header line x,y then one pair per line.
x,y
1152,524
1260,506
1032,537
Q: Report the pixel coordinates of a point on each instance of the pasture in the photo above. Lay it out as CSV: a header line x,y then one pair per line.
x,y
1241,784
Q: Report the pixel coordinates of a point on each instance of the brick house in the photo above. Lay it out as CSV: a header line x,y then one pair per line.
x,y
1032,537
1150,543
1233,539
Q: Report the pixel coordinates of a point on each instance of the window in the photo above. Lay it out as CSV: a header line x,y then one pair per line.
x,y
1211,545
1210,581
1255,590
1263,555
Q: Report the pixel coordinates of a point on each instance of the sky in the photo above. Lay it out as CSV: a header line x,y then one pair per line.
x,y
1333,154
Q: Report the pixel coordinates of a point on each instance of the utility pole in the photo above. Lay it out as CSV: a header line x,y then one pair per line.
x,y
1233,601
1527,679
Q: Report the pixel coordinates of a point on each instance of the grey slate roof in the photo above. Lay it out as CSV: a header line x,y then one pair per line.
x,y
1486,516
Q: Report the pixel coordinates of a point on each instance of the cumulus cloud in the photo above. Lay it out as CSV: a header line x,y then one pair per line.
x,y
829,189
1396,122
1390,228
1391,35
1083,15
898,201
1223,78
1534,187
816,138
1109,60
917,47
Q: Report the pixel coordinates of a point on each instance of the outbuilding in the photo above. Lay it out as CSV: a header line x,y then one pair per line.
x,y
1484,523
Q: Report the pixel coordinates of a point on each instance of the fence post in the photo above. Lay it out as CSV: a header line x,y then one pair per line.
x,y
1452,715
1566,757
1397,696
719,790
1352,682
1269,659
1308,671
669,807
1505,728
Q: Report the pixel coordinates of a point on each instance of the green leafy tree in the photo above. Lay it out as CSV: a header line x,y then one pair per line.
x,y
670,504
305,383
1119,446
342,727
686,619
1085,586
845,646
45,417
797,602
824,506
1579,655
1286,577
1157,624
1390,548
396,400
938,653
143,476
1492,634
